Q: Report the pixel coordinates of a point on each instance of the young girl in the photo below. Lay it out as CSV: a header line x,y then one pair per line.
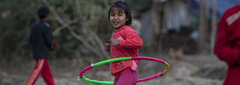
x,y
124,43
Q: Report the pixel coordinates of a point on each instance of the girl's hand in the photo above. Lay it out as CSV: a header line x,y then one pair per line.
x,y
107,47
114,42
134,66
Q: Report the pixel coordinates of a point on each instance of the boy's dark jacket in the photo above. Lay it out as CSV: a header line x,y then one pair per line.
x,y
41,39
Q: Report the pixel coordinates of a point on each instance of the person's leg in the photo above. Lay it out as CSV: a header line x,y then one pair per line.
x,y
36,72
135,77
129,77
46,73
115,81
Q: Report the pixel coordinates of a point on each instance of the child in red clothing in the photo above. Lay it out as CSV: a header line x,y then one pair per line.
x,y
41,40
228,44
124,43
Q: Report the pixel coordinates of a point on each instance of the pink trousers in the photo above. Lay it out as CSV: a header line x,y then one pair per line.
x,y
129,77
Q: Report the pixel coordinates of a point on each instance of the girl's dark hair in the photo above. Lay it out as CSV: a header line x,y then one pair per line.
x,y
124,6
43,11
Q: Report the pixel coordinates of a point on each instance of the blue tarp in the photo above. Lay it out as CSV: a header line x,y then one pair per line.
x,y
223,5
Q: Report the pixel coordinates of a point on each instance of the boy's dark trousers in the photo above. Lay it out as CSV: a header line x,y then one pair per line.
x,y
41,68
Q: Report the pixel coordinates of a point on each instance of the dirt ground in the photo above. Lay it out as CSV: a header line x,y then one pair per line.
x,y
192,70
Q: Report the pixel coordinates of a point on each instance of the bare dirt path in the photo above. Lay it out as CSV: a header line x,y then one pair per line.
x,y
192,70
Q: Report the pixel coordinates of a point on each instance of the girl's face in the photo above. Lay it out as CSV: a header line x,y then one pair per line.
x,y
117,17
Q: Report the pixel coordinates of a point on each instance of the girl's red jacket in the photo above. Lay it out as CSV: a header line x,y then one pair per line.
x,y
130,42
227,46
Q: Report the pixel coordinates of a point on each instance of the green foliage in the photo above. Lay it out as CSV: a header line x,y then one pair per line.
x,y
135,4
15,27
17,16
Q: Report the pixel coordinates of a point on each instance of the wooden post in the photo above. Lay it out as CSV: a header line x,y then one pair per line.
x,y
159,22
155,21
214,25
203,27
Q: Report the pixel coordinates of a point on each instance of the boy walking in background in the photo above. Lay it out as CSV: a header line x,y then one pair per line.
x,y
41,40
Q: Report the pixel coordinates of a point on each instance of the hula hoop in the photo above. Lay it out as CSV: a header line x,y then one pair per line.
x,y
123,59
